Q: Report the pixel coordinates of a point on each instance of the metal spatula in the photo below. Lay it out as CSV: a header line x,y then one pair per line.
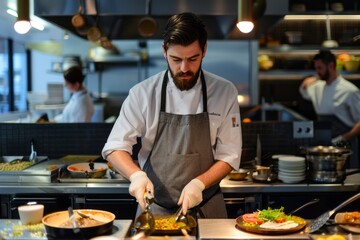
x,y
322,219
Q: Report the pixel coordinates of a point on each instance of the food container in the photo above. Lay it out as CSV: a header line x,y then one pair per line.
x,y
58,225
327,164
31,214
87,170
352,65
239,175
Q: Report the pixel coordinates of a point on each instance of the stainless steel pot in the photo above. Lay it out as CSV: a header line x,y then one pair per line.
x,y
327,164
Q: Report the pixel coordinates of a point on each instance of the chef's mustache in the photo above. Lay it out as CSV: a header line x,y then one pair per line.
x,y
185,74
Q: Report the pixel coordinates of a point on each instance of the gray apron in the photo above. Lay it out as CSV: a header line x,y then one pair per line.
x,y
181,152
339,128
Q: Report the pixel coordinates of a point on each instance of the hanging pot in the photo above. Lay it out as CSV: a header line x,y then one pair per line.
x,y
94,34
79,21
147,25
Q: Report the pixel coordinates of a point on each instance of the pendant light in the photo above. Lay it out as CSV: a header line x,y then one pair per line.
x,y
245,23
22,24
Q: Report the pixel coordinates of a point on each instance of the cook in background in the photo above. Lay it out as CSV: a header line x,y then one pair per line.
x,y
189,123
80,107
335,99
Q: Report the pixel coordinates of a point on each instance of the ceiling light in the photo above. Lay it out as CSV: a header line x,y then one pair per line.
x,y
245,23
22,24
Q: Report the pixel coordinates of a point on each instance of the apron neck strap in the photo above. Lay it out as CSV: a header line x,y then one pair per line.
x,y
163,91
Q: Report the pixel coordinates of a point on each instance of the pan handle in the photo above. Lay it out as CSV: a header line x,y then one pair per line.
x,y
350,200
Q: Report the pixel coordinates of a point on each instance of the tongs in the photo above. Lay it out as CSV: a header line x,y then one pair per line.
x,y
73,221
180,217
145,221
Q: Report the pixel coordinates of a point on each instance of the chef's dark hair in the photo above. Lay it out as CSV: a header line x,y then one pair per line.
x,y
184,29
74,74
326,56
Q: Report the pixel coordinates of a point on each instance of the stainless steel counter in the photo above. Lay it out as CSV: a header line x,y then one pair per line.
x,y
225,229
13,229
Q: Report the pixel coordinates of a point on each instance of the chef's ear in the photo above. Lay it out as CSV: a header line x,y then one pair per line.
x,y
164,50
204,51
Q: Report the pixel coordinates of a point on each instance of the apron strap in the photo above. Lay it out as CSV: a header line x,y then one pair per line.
x,y
163,91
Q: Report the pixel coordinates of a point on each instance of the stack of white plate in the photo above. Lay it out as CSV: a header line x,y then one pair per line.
x,y
292,169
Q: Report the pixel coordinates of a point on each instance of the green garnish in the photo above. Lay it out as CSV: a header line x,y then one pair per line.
x,y
275,215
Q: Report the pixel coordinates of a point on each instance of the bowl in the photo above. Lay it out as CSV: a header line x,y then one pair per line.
x,y
83,170
31,214
241,174
352,65
263,171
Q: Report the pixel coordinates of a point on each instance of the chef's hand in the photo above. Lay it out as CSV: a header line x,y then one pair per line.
x,y
191,195
336,140
140,184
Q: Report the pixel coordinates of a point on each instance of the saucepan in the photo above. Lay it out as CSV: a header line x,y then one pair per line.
x,y
95,223
327,164
87,170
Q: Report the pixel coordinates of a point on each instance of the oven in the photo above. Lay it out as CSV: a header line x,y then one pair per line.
x,y
238,203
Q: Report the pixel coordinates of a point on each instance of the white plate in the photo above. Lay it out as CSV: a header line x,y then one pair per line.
x,y
339,218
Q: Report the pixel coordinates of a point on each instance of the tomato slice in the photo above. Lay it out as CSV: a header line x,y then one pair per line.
x,y
250,218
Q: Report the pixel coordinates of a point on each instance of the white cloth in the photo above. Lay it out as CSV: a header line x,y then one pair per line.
x,y
139,116
80,108
341,98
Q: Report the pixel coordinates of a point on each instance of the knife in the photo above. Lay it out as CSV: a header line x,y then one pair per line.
x,y
258,150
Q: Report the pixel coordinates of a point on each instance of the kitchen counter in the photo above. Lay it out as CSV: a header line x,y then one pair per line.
x,y
12,229
351,184
225,229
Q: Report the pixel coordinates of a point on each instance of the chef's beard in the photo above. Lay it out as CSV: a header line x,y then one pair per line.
x,y
326,75
185,84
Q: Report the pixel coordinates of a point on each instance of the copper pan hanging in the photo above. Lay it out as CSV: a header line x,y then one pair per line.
x,y
147,25
79,20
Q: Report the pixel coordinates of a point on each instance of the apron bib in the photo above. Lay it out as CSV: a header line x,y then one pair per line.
x,y
182,151
338,128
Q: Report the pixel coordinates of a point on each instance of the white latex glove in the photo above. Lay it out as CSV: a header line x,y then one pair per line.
x,y
191,195
140,183
337,139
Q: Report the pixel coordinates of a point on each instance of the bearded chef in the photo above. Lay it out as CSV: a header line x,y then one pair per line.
x,y
189,123
336,100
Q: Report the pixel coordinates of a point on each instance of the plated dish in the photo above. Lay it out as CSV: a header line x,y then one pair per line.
x,y
345,217
270,222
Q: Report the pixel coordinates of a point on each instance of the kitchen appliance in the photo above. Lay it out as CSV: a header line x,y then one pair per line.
x,y
327,164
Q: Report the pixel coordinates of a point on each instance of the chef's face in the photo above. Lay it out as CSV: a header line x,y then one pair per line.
x,y
184,63
72,87
322,69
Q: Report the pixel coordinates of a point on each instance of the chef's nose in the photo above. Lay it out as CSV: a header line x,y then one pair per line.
x,y
185,66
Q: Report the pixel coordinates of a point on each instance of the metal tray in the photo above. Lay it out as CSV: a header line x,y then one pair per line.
x,y
38,172
110,177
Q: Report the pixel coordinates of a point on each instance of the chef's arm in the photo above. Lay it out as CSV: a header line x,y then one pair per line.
x,y
123,162
215,173
355,131
308,81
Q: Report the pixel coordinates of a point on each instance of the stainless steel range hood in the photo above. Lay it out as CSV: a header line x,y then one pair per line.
x,y
119,19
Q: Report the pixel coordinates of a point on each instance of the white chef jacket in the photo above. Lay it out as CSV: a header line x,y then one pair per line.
x,y
341,98
139,116
80,108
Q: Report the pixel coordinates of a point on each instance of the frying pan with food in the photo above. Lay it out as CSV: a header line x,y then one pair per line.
x,y
59,226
